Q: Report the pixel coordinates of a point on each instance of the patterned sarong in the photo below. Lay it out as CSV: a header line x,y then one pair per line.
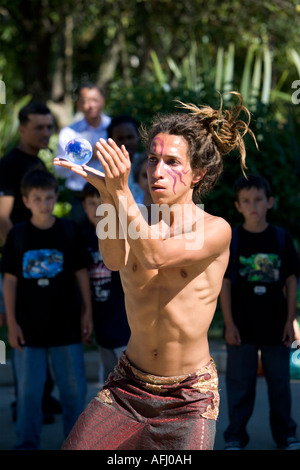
x,y
139,411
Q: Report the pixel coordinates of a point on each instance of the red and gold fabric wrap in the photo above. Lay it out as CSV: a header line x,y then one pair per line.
x,y
139,411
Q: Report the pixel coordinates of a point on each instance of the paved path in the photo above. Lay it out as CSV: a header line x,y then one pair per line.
x,y
52,435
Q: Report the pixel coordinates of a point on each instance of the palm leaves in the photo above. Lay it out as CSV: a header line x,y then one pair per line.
x,y
198,70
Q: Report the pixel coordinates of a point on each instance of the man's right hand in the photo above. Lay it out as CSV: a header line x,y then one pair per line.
x,y
116,163
232,335
91,175
15,337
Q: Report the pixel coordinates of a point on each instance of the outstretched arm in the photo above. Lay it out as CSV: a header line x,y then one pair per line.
x,y
153,249
112,248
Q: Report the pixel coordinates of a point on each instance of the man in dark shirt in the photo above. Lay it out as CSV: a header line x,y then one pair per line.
x,y
36,126
35,129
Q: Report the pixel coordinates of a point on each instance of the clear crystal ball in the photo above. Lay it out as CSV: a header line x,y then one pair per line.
x,y
78,151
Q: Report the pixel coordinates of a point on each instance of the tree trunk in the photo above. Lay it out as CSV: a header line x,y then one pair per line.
x,y
109,62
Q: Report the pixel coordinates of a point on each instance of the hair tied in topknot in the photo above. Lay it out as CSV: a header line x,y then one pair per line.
x,y
224,126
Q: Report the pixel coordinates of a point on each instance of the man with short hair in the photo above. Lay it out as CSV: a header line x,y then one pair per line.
x,y
35,129
92,127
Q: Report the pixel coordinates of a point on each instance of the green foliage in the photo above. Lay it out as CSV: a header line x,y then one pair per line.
x,y
62,209
275,123
157,53
116,32
48,154
146,98
251,75
276,158
9,123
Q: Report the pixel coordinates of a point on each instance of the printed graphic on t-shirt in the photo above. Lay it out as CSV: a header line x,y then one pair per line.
x,y
100,278
44,263
261,267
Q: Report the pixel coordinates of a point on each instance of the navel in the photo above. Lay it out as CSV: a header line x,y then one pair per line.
x,y
183,273
155,353
134,267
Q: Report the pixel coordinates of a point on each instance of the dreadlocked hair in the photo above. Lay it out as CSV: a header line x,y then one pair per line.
x,y
210,135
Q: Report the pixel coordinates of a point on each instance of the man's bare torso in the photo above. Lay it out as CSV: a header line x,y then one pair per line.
x,y
169,311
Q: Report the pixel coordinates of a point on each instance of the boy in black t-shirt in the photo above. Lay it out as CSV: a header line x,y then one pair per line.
x,y
109,315
44,261
258,301
36,125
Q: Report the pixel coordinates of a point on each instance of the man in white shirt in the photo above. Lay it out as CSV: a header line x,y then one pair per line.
x,y
92,127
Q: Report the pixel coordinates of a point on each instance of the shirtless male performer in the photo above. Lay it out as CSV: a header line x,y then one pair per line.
x,y
163,394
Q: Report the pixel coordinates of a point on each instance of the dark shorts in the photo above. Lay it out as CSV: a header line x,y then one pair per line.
x,y
139,411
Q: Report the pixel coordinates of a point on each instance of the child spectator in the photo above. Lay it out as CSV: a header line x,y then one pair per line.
x,y
139,171
258,300
109,316
42,260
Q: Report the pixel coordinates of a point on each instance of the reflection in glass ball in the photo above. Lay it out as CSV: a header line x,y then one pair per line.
x,y
78,151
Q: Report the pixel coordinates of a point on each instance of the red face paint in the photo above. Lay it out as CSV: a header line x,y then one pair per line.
x,y
157,147
179,174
